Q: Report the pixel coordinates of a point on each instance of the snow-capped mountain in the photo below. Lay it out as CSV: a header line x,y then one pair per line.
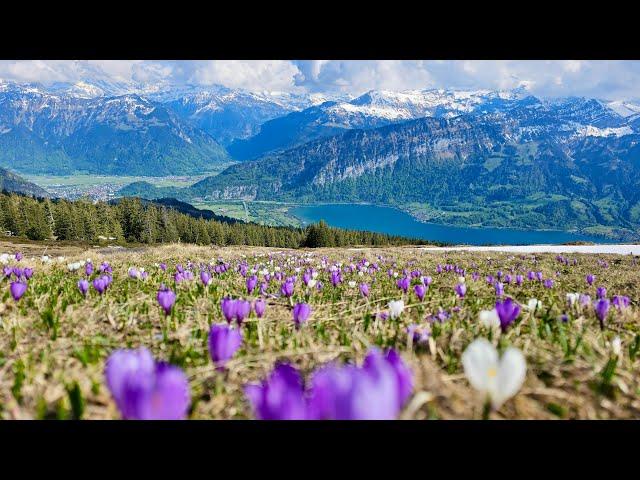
x,y
370,110
228,114
44,132
563,118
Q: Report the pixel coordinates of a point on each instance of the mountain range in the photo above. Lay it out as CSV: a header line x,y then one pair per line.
x,y
502,158
43,132
570,163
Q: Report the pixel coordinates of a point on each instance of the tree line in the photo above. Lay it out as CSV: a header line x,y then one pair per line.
x,y
132,221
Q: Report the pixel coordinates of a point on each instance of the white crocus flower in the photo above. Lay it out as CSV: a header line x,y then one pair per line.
x,y
396,307
616,346
72,267
361,273
314,275
312,283
395,274
572,298
498,379
352,283
489,318
461,279
534,304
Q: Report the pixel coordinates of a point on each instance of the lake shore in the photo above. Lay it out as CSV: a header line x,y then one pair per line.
x,y
628,249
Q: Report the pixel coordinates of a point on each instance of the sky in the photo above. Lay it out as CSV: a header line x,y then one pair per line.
x,y
605,79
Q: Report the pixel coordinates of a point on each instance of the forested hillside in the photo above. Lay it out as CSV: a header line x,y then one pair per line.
x,y
133,221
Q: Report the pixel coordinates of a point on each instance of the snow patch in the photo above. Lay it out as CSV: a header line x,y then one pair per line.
x,y
591,131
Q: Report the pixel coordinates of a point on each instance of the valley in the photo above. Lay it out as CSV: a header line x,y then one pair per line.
x,y
483,158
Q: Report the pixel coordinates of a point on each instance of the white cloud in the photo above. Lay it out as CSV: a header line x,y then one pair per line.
x,y
279,75
601,79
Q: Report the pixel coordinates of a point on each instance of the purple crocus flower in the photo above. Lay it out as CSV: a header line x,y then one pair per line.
x,y
461,290
163,267
301,312
83,286
590,279
620,301
88,269
403,284
336,278
144,389
252,282
263,288
508,311
548,283
519,280
224,341
601,292
539,276
499,289
420,291
205,278
259,306
584,300
376,391
419,335
28,273
243,309
427,280
100,284
531,275
280,396
440,317
287,288
228,307
364,289
601,307
18,256
166,298
17,289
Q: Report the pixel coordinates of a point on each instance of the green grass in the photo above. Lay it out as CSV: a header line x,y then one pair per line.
x,y
262,212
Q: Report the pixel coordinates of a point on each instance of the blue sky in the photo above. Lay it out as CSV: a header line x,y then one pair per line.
x,y
612,80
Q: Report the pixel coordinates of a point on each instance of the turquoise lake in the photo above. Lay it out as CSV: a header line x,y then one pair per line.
x,y
395,222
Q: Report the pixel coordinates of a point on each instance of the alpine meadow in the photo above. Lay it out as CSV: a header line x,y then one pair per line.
x,y
319,240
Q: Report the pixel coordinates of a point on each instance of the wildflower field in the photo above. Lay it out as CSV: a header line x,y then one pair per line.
x,y
180,331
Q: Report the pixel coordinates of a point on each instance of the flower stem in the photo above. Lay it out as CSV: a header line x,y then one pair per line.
x,y
486,410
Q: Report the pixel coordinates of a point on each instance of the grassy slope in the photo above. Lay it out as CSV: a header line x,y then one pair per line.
x,y
559,383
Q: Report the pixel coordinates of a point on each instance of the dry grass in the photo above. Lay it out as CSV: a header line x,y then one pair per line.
x,y
53,337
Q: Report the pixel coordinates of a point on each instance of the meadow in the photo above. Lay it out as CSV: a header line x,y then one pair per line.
x,y
256,332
